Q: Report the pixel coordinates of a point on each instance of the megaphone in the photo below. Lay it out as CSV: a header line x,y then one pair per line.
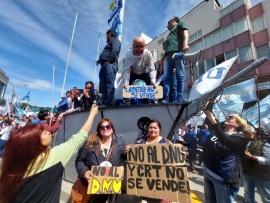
x,y
191,57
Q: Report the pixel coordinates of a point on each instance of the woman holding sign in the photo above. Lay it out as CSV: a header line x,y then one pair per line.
x,y
31,171
154,137
102,148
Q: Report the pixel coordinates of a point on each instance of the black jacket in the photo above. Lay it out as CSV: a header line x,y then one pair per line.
x,y
87,158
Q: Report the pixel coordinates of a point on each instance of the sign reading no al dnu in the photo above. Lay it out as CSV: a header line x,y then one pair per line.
x,y
157,171
106,180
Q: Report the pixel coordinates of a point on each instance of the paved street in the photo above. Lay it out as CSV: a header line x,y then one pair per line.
x,y
196,185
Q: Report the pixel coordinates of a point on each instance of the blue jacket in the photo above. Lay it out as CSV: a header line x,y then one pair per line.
x,y
202,136
221,153
191,139
110,52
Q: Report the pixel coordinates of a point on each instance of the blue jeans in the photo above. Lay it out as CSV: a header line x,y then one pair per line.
x,y
169,65
173,90
192,157
263,186
2,144
216,192
107,75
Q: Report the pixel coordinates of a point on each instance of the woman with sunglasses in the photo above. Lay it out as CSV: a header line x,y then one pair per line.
x,y
31,171
102,148
221,155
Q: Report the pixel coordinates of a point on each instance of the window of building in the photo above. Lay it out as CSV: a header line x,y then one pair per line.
x,y
2,89
210,63
199,45
227,32
155,54
258,24
201,68
192,48
237,4
199,34
217,37
230,54
225,11
220,59
263,51
160,41
245,54
195,36
192,37
208,42
241,26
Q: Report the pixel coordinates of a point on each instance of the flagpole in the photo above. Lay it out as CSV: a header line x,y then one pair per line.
x,y
52,97
97,58
70,46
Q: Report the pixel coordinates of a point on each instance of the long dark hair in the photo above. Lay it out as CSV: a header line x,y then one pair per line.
x,y
91,140
21,153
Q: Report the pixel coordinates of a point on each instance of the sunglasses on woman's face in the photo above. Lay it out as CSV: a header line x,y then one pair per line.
x,y
103,127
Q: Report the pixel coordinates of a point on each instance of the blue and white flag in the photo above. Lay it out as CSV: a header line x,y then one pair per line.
x,y
18,111
5,109
233,98
26,98
116,16
211,79
252,114
27,109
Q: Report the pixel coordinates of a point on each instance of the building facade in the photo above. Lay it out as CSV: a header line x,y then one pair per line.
x,y
3,85
224,32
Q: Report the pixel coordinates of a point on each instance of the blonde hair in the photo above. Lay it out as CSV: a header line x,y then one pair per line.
x,y
241,121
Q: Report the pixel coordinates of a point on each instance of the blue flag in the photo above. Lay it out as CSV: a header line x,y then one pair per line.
x,y
18,111
26,98
115,19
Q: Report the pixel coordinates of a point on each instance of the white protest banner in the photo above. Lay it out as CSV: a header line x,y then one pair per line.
x,y
211,79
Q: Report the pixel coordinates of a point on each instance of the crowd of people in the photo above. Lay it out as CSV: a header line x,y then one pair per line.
x,y
138,64
233,154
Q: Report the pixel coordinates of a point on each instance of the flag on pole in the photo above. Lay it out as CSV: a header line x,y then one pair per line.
x,y
112,5
27,109
232,99
26,98
211,79
18,111
116,16
5,109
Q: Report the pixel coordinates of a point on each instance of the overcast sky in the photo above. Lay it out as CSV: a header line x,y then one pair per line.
x,y
35,36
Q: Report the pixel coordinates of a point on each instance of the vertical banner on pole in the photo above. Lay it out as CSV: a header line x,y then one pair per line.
x,y
117,17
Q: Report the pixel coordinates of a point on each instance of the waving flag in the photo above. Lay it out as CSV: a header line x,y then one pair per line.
x,y
27,109
5,109
26,98
116,16
233,98
211,79
252,114
17,109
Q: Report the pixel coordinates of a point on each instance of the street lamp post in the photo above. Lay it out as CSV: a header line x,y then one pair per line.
x,y
14,89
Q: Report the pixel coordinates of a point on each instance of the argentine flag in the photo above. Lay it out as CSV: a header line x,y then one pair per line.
x,y
26,98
